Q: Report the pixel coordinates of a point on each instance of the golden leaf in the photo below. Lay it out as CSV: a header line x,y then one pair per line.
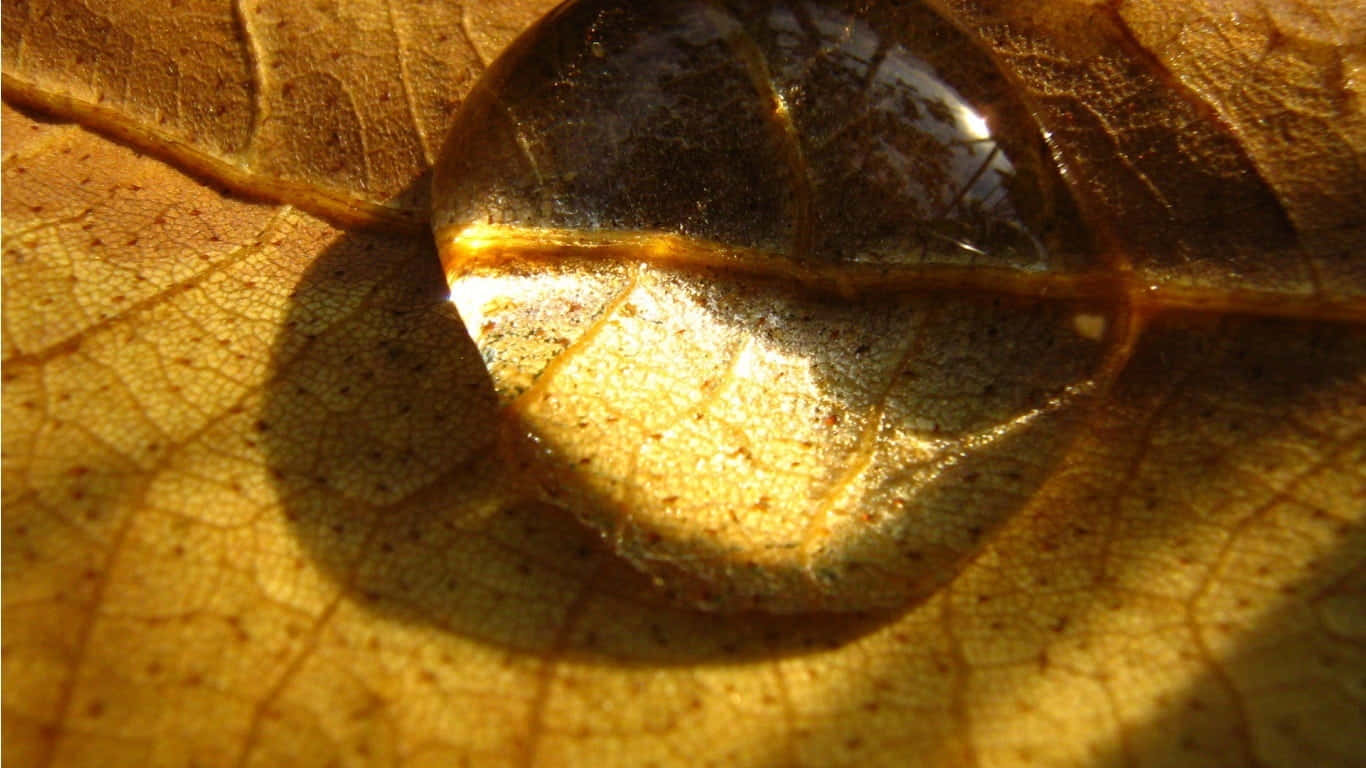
x,y
251,487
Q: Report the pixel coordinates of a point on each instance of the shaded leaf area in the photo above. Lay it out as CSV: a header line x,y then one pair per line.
x,y
1211,146
1273,670
250,482
336,109
1288,61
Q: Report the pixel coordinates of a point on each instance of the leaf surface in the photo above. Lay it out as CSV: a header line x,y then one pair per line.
x,y
253,512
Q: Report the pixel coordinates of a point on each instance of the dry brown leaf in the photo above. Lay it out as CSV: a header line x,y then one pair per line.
x,y
248,474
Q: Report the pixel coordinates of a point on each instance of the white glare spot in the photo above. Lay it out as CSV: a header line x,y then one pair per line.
x,y
475,298
974,124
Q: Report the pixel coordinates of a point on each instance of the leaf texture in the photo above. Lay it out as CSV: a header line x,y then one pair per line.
x,y
254,511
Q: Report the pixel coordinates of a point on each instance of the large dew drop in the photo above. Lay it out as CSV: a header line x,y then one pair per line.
x,y
776,294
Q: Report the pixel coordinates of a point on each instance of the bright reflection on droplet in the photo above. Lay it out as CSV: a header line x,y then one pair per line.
x,y
974,125
474,298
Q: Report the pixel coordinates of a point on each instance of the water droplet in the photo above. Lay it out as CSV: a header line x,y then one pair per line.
x,y
789,127
737,269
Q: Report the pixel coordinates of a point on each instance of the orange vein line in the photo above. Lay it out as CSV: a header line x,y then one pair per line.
x,y
333,204
537,389
508,249
789,140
